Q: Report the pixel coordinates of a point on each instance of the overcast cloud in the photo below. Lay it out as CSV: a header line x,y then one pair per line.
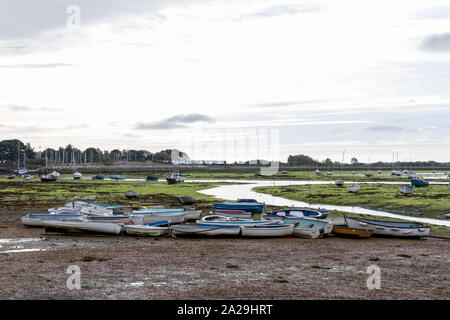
x,y
368,77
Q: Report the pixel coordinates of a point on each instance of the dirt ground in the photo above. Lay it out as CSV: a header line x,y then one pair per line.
x,y
126,267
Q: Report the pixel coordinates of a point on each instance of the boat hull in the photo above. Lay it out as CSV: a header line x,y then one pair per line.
x,y
303,232
83,226
242,206
144,230
187,200
345,231
191,230
388,228
267,231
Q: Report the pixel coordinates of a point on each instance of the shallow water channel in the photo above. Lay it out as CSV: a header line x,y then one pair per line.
x,y
244,190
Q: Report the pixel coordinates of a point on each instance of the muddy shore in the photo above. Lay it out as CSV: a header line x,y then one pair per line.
x,y
181,268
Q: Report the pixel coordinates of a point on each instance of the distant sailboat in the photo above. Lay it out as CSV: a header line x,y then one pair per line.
x,y
339,182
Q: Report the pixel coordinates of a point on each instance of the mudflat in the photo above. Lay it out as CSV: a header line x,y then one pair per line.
x,y
125,267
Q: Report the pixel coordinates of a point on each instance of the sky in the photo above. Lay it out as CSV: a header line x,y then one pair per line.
x,y
229,80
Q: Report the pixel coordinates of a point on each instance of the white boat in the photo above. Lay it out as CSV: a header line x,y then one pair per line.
x,y
353,188
407,189
193,230
193,214
174,217
38,220
306,232
339,183
268,230
330,173
234,213
77,175
83,226
54,174
221,221
389,228
94,210
63,210
155,229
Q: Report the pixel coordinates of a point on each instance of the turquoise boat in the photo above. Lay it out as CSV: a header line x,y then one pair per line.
x,y
419,182
116,177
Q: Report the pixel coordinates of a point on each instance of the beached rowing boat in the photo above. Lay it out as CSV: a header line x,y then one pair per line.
x,y
37,219
297,213
154,229
247,205
194,230
268,231
82,226
389,228
149,217
234,213
324,227
221,221
345,231
185,200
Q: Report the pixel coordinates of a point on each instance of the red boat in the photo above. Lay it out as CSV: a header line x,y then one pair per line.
x,y
174,178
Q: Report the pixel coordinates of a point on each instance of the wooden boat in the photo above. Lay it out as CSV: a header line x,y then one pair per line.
x,y
194,230
77,175
353,188
297,213
220,221
389,228
98,177
419,182
340,183
83,226
174,216
37,219
407,190
345,231
154,229
247,206
187,200
49,178
277,230
131,194
234,213
151,178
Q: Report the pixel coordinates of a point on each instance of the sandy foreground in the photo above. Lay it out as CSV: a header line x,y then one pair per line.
x,y
126,267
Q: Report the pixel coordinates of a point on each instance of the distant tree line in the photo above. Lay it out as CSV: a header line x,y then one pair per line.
x,y
13,150
296,160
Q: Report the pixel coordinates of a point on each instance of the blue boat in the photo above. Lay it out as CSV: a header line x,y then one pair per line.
x,y
151,178
419,182
247,206
98,177
116,177
297,213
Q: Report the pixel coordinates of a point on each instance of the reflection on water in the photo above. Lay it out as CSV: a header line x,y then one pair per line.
x,y
233,192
